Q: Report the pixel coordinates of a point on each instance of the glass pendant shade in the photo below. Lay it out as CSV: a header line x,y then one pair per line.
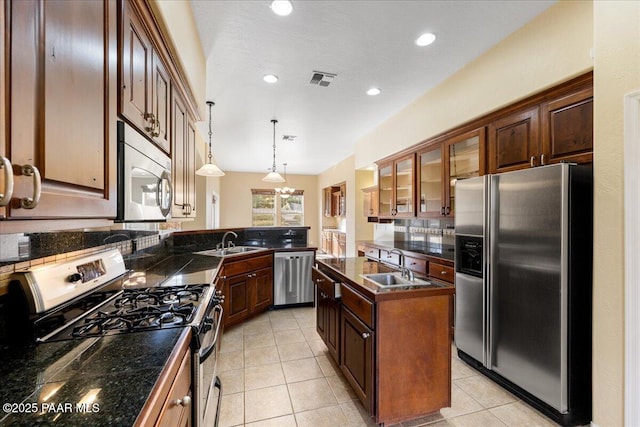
x,y
273,177
209,168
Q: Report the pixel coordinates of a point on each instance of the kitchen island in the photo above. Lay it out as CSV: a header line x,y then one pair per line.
x,y
393,343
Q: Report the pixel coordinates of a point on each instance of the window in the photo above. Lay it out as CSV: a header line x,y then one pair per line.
x,y
292,210
269,208
263,208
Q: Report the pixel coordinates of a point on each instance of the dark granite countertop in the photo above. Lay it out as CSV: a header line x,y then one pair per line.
x,y
444,252
124,367
121,369
351,270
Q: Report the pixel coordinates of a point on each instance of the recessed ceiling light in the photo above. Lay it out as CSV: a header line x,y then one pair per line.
x,y
373,91
281,7
270,78
426,39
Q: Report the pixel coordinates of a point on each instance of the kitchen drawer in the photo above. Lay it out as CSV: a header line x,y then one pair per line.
x,y
441,272
371,252
326,284
233,268
389,258
359,305
417,265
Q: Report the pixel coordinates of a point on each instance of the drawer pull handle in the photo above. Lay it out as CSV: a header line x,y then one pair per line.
x,y
185,401
32,202
365,335
444,273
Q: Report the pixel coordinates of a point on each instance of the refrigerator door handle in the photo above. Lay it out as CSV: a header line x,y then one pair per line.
x,y
491,251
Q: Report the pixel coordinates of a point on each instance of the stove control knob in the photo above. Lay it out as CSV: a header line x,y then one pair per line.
x,y
75,277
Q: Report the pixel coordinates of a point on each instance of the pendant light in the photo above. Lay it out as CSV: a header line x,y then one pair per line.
x,y
210,168
285,191
273,176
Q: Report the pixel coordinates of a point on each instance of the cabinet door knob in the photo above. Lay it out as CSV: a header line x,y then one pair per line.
x,y
5,197
185,401
32,202
365,335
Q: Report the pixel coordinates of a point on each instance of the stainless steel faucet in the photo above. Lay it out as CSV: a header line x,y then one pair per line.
x,y
224,237
405,272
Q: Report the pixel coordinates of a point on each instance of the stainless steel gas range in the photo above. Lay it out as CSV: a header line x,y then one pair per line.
x,y
96,296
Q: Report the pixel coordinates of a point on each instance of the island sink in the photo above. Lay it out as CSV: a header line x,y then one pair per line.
x,y
390,280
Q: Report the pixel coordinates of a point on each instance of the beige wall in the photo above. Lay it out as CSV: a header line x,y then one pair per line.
x,y
553,47
364,229
235,199
616,72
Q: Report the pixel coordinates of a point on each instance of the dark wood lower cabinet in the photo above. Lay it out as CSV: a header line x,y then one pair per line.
x,y
236,291
247,285
261,290
327,312
356,356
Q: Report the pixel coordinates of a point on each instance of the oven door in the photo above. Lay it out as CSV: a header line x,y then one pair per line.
x,y
144,179
207,386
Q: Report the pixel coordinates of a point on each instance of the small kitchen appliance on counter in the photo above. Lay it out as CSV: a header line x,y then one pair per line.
x,y
95,296
523,284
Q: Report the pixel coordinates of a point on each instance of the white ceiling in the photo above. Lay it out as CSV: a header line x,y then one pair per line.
x,y
366,43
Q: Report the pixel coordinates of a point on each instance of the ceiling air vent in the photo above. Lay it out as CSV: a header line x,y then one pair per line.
x,y
321,78
288,137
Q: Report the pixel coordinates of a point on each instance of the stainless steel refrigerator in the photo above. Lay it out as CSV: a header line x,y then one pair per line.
x,y
523,284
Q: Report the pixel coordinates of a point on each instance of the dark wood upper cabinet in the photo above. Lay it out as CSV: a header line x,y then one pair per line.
x,y
144,81
441,165
61,116
463,158
514,141
567,124
183,149
396,187
430,175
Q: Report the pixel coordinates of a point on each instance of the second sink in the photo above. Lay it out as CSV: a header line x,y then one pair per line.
x,y
395,280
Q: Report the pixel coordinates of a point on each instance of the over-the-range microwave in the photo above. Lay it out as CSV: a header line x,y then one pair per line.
x,y
144,178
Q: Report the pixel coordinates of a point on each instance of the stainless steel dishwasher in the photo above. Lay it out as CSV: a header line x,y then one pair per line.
x,y
292,283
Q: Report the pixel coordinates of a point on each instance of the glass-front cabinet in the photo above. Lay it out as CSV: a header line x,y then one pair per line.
x,y
429,182
441,165
385,188
396,187
462,160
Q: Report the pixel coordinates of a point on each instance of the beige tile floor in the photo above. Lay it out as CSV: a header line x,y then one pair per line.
x,y
276,371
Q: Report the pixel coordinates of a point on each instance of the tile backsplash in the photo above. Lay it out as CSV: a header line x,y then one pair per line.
x,y
430,231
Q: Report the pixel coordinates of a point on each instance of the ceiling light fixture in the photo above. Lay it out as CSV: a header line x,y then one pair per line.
x,y
373,91
282,7
273,176
270,78
210,168
285,191
425,39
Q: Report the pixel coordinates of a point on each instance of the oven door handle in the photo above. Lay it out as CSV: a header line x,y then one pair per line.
x,y
206,352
